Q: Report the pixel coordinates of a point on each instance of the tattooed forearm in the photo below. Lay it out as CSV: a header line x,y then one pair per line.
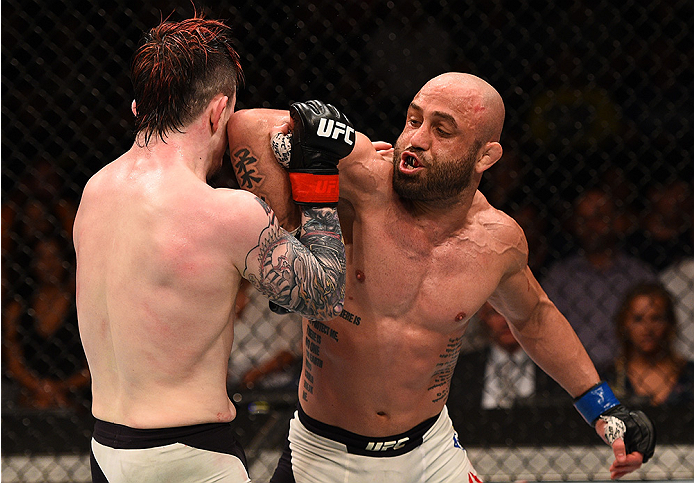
x,y
307,277
321,234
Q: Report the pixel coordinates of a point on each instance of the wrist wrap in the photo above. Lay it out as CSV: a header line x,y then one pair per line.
x,y
595,402
315,189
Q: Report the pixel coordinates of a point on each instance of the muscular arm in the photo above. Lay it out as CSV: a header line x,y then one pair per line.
x,y
543,332
307,275
257,170
546,335
254,164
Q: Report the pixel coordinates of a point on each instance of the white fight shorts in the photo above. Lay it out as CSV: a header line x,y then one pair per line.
x,y
320,453
191,454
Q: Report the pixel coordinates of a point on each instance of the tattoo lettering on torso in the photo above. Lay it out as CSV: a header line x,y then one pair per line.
x,y
444,369
350,317
315,332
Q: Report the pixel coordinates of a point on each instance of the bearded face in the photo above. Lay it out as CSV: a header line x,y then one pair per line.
x,y
440,179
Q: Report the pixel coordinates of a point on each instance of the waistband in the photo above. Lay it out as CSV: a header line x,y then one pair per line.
x,y
367,445
217,437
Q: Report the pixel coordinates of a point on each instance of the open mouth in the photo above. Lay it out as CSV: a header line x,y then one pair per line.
x,y
409,163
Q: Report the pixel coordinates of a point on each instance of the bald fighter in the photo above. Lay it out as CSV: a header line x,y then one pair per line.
x,y
425,250
161,254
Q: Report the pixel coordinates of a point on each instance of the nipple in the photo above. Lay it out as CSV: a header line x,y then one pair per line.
x,y
460,316
360,276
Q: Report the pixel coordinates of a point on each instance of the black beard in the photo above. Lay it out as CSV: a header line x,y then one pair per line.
x,y
438,181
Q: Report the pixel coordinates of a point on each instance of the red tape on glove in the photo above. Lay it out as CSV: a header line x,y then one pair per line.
x,y
315,188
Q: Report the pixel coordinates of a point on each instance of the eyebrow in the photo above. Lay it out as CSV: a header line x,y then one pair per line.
x,y
436,114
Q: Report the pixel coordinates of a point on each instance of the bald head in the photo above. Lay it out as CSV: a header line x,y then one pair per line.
x,y
474,98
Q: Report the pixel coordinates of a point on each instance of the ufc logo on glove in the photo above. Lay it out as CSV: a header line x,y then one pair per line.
x,y
321,136
328,128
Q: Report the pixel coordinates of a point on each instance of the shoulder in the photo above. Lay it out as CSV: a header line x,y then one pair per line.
x,y
235,207
106,178
501,228
366,172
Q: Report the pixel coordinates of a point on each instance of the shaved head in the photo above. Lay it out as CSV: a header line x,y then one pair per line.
x,y
473,97
451,136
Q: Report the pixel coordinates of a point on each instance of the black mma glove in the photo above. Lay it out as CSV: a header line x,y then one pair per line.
x,y
635,427
322,136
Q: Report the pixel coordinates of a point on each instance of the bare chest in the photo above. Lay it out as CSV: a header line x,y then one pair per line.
x,y
393,275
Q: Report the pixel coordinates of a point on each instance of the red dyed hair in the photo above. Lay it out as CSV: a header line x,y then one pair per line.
x,y
178,69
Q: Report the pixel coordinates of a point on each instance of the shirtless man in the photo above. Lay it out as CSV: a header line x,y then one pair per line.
x,y
161,254
425,250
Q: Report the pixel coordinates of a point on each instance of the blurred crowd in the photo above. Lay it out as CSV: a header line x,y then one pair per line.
x,y
620,268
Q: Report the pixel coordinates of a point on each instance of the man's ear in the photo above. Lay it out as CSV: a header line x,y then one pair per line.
x,y
217,106
133,107
490,155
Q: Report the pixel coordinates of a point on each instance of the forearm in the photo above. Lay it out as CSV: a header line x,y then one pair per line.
x,y
321,234
551,342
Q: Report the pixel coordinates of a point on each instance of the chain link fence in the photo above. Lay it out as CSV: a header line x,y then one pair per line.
x,y
599,107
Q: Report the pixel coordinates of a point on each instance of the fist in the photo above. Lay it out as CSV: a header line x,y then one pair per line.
x,y
322,136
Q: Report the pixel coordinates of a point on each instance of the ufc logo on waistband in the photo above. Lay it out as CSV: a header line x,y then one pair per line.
x,y
328,128
386,445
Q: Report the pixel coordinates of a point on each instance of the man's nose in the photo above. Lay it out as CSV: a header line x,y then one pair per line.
x,y
421,138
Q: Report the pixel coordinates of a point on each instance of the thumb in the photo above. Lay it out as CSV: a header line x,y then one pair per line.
x,y
619,449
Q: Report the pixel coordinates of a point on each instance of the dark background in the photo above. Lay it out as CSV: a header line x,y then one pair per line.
x,y
589,86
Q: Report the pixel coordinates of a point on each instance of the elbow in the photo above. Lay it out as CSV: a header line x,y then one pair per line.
x,y
333,307
328,305
336,309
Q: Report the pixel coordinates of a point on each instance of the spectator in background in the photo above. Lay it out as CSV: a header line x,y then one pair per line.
x,y
678,279
625,194
649,371
41,343
267,345
588,286
664,235
501,375
36,207
23,226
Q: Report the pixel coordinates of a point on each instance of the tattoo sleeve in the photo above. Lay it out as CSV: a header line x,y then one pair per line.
x,y
306,276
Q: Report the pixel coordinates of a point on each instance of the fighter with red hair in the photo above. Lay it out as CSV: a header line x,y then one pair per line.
x,y
161,255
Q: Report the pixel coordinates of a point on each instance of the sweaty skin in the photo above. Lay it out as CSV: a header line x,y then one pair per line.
x,y
160,257
418,270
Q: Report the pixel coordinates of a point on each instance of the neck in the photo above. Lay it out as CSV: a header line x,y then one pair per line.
x,y
642,359
190,149
440,218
